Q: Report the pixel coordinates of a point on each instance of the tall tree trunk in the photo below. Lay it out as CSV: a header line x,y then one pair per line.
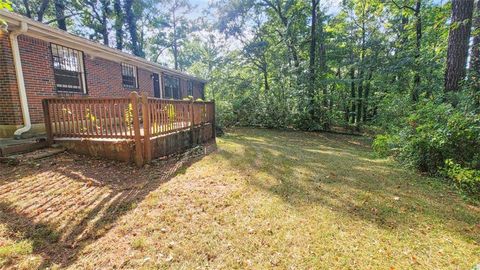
x,y
175,41
60,14
346,104
313,45
458,42
105,32
366,96
290,41
322,59
132,27
475,57
418,40
352,94
117,6
105,14
41,10
265,76
360,98
28,13
362,73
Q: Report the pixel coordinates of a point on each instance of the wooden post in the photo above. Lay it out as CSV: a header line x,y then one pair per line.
x,y
136,129
146,128
47,121
192,122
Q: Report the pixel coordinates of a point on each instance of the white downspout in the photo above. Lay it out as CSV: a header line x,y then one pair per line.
x,y
20,81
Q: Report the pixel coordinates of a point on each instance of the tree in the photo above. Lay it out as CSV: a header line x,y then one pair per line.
x,y
60,14
179,28
34,9
312,56
96,14
458,43
119,21
131,21
418,40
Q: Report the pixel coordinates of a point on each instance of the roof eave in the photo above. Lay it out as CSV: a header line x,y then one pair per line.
x,y
45,32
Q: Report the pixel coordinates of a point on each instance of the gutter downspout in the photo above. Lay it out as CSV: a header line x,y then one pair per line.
x,y
20,81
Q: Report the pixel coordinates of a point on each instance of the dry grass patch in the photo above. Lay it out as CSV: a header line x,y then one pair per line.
x,y
265,199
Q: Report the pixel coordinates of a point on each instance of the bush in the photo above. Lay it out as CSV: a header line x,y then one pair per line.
x,y
385,145
464,178
438,138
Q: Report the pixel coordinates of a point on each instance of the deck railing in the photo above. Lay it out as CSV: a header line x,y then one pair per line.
x,y
136,118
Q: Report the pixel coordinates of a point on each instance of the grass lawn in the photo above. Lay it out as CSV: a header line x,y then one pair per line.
x,y
265,199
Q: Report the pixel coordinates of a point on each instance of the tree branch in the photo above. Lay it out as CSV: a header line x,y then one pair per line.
x,y
403,7
63,17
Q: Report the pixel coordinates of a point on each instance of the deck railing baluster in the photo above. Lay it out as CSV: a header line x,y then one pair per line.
x,y
116,117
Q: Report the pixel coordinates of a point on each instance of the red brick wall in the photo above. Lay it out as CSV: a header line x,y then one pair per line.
x,y
37,73
10,111
102,81
103,78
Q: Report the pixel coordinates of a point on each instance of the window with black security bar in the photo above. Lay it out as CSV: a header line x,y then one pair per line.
x,y
172,87
129,76
68,69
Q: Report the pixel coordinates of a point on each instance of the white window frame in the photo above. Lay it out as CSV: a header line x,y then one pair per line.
x,y
133,74
74,64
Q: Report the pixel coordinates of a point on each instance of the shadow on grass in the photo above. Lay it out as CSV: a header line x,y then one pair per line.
x,y
64,203
339,172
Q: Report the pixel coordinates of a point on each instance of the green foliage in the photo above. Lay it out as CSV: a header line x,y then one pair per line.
x,y
438,137
170,109
385,145
14,250
128,115
466,179
6,4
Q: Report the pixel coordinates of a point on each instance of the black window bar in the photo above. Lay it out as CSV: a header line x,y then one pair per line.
x,y
172,87
67,69
129,76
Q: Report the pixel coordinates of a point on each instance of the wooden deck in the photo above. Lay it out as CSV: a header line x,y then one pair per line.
x,y
135,120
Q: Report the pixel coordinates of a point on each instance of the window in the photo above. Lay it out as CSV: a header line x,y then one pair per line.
x,y
129,76
190,89
202,90
68,69
172,87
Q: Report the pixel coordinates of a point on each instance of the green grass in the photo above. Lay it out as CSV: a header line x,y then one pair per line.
x,y
289,200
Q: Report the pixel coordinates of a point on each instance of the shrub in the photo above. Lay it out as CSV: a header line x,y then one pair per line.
x,y
466,179
385,145
438,138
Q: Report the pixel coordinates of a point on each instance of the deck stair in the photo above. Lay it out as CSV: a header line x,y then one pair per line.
x,y
31,156
11,147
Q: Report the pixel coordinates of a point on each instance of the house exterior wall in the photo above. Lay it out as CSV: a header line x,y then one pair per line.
x,y
103,79
10,111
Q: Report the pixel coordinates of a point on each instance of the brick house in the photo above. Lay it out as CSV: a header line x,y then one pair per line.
x,y
38,61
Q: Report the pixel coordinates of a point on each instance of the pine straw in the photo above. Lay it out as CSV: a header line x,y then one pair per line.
x,y
265,199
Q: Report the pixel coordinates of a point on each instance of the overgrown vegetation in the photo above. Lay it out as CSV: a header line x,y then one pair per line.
x,y
265,199
440,140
